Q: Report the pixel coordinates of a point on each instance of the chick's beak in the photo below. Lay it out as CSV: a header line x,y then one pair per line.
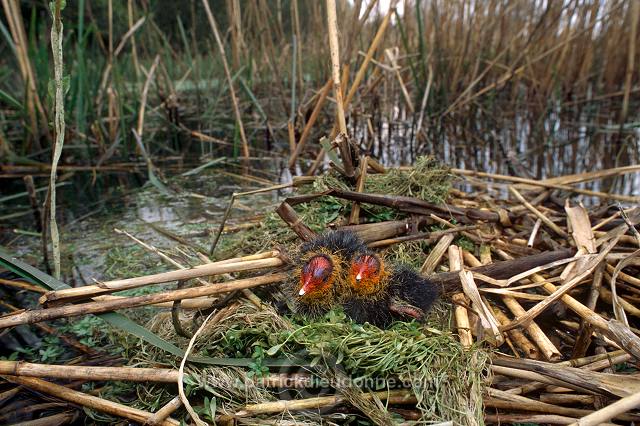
x,y
361,271
306,283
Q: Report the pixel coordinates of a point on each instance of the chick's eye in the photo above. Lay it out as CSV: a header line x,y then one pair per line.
x,y
321,273
319,267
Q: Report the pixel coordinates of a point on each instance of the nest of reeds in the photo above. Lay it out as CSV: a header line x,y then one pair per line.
x,y
442,379
250,363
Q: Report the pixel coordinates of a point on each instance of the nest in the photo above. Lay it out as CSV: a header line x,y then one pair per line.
x,y
352,359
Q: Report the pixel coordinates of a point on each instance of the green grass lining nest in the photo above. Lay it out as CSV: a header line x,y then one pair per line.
x,y
446,379
428,180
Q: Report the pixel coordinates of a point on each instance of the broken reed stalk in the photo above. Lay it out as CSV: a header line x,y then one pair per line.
x,y
30,317
435,256
354,217
82,399
227,73
373,232
548,349
81,372
488,322
182,274
460,300
611,411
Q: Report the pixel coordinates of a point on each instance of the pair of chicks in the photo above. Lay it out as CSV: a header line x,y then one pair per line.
x,y
337,268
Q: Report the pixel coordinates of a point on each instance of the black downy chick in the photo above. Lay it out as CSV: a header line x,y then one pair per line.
x,y
383,294
320,279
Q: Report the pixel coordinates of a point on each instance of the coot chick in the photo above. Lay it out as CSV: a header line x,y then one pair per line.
x,y
320,279
381,294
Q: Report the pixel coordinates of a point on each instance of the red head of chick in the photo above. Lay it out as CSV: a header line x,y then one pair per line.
x,y
381,294
320,278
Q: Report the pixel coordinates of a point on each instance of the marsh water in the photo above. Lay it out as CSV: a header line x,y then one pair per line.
x,y
193,202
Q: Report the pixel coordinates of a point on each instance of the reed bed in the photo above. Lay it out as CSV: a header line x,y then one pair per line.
x,y
546,88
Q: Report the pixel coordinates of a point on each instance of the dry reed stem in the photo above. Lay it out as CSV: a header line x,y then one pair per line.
x,y
59,127
81,372
594,382
631,55
548,349
22,285
312,119
85,400
502,399
332,25
183,274
34,105
611,411
488,321
511,418
165,411
568,399
30,317
180,378
435,256
392,55
518,337
143,96
460,312
538,213
534,233
354,217
196,304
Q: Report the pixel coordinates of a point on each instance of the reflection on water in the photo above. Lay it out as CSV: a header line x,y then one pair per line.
x,y
156,213
526,143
